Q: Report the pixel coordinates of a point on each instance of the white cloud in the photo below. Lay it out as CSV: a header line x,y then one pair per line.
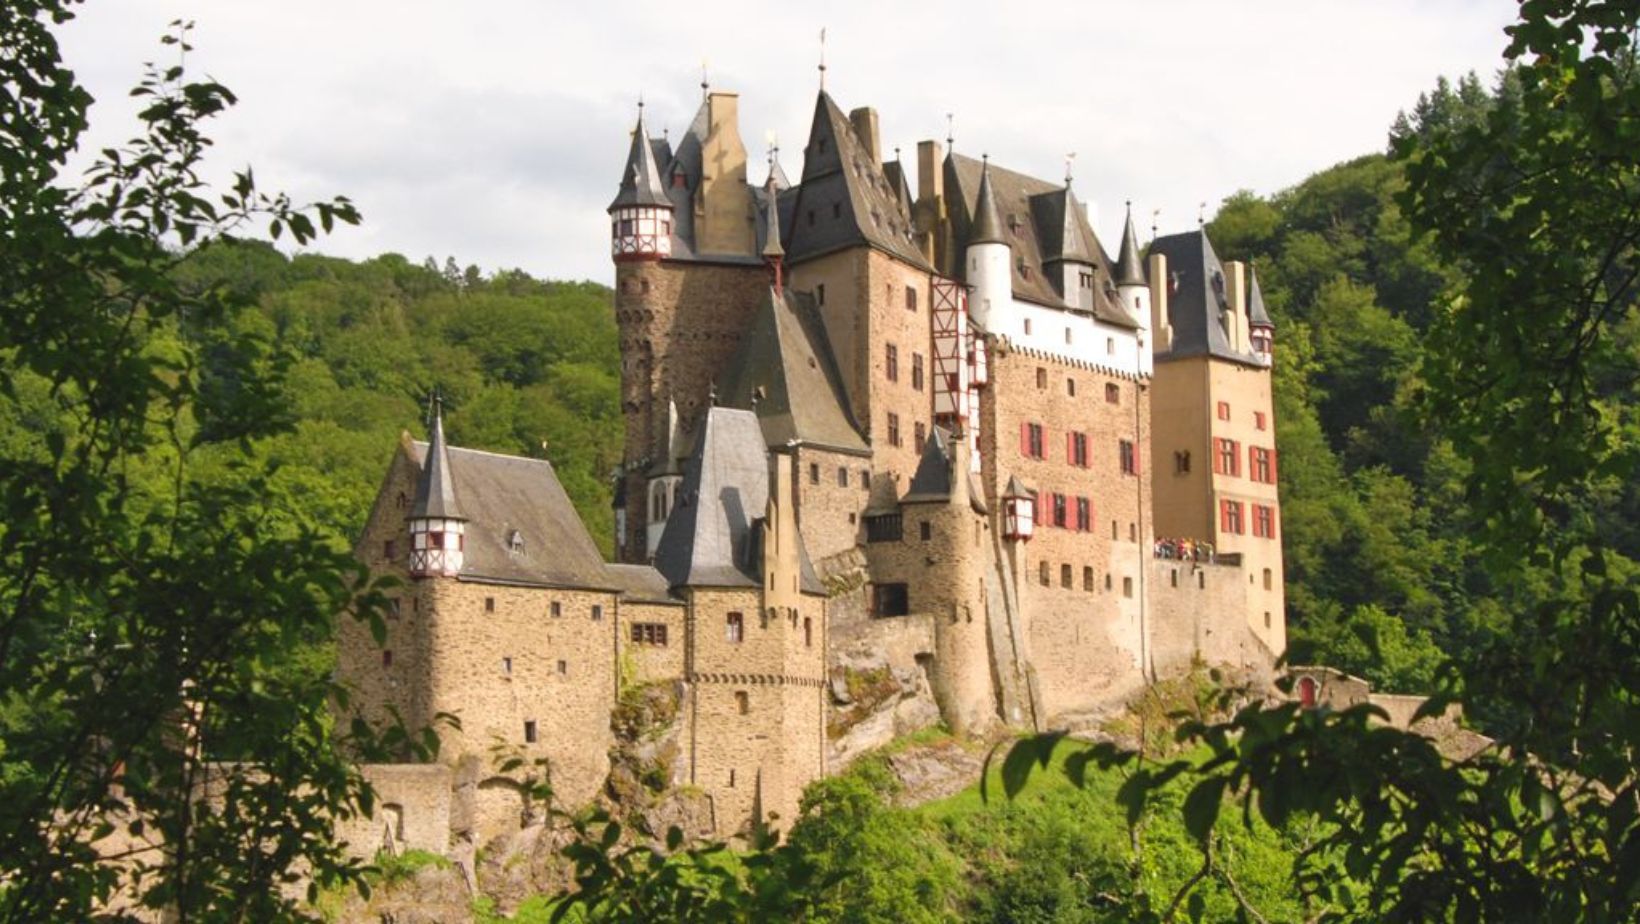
x,y
496,132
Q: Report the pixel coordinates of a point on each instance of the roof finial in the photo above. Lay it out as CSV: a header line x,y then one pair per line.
x,y
711,393
705,84
1201,215
1070,161
1155,221
950,130
822,59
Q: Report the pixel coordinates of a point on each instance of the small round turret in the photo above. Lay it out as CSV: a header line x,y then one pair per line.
x,y
640,217
990,258
438,528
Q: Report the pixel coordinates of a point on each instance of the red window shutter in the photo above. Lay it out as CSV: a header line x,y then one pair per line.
x,y
1218,463
1136,463
1273,456
1272,530
1252,462
1224,516
1070,448
1024,438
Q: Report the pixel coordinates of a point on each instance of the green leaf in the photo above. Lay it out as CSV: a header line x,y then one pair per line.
x,y
1201,807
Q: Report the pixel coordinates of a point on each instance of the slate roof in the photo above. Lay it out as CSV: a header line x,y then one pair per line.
x,y
1257,316
686,160
710,539
501,494
1130,266
785,370
986,227
936,474
641,179
1197,300
641,584
1024,204
844,199
894,172
435,488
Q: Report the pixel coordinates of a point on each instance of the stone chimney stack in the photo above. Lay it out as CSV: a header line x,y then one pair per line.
x,y
1160,285
864,121
780,559
929,214
1235,286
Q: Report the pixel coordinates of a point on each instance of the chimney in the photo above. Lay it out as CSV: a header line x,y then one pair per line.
x,y
1159,283
864,121
929,213
1235,285
780,560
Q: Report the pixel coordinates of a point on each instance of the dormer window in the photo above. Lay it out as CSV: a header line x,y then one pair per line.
x,y
515,541
678,179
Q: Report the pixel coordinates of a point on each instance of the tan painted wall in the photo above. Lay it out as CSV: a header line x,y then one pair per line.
x,y
724,216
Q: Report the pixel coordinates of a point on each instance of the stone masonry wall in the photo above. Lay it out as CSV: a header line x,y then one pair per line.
x,y
412,810
651,663
831,489
1197,612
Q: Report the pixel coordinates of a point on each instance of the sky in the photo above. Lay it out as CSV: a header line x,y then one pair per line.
x,y
495,132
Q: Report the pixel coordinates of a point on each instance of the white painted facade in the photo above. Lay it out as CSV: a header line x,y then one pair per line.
x,y
1056,331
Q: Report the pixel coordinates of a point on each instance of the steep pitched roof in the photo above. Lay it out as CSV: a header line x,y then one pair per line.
x,y
894,172
504,494
435,488
785,370
936,476
641,180
1130,267
1019,228
1197,300
844,199
710,539
986,227
1059,219
1257,316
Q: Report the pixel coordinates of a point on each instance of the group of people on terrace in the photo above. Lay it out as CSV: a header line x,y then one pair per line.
x,y
1185,550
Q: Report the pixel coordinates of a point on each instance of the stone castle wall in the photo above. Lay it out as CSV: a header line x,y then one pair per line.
x,y
1197,613
831,489
650,662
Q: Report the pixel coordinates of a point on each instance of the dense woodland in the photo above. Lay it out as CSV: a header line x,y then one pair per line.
x,y
193,423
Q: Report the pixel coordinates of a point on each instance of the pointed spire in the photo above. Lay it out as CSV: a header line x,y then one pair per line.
x,y
436,489
1257,316
987,228
1130,268
773,253
641,181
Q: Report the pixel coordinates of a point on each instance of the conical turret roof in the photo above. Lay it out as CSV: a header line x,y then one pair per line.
x,y
1257,316
1059,215
641,181
436,489
1130,267
987,228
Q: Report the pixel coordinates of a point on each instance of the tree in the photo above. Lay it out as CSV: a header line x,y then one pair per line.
x,y
162,745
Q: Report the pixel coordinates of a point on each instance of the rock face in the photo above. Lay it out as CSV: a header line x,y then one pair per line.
x,y
872,704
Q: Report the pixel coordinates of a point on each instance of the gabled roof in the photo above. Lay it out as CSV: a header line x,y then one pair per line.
x,y
936,477
894,172
640,584
501,494
1059,219
710,539
844,199
1197,301
435,488
1257,316
641,179
1130,267
1015,196
785,370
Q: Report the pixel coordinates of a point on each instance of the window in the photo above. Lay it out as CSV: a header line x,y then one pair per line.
x,y
389,551
1070,387
649,633
556,609
735,628
1226,457
1059,511
917,371
563,667
1268,578
1084,515
1133,532
743,705
1087,578
925,529
1113,393
677,179
1041,377
1258,460
1264,521
387,657
884,527
890,600
597,612
1224,410
1042,574
1230,517
1027,327
506,666
1107,580
910,298
393,606
893,429
865,479
837,210
1127,587
808,632
1065,576
891,362
814,473
1032,440
529,731
842,476
919,435
1110,346
489,604
1129,457
819,290
1076,449
1259,421
1067,335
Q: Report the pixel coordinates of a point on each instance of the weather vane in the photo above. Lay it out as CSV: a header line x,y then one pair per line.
x,y
822,57
1070,161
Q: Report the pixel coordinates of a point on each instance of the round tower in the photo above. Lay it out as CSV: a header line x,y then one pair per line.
x,y
990,261
1261,332
438,539
1133,290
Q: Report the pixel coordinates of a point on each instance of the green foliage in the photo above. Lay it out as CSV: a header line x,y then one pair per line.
x,y
392,868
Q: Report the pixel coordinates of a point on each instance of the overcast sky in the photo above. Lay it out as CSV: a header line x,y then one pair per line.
x,y
496,131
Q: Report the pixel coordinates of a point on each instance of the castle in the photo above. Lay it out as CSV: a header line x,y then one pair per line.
x,y
943,425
